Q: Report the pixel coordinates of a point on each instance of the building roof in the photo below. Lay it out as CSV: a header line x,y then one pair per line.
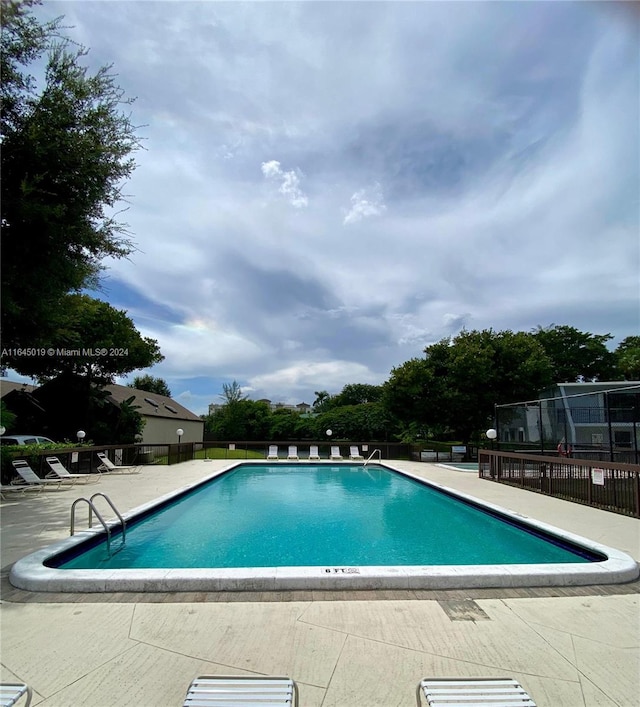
x,y
9,386
601,384
151,404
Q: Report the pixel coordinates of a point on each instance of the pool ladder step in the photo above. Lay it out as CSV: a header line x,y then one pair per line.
x,y
92,510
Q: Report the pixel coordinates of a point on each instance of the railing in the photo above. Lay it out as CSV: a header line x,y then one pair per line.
x,y
92,510
611,486
372,455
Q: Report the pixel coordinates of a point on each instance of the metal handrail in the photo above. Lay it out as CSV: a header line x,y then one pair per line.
x,y
370,457
113,508
92,510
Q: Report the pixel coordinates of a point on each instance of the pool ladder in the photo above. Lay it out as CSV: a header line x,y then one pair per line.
x,y
92,510
372,455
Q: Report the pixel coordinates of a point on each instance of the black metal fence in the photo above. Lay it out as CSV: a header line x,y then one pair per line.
x,y
84,460
611,486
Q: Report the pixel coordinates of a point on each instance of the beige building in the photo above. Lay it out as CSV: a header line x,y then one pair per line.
x,y
163,416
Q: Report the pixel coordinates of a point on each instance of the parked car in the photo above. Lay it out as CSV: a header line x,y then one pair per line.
x,y
25,439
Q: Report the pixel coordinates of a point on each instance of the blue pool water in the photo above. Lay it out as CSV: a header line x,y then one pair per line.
x,y
305,515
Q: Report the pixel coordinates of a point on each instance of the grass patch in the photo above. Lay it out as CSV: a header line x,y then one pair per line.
x,y
225,453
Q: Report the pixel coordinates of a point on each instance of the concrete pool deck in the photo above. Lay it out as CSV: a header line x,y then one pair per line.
x,y
572,647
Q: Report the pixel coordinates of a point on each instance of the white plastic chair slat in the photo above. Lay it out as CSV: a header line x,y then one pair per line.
x,y
471,682
233,702
470,691
479,692
479,702
10,693
209,691
242,689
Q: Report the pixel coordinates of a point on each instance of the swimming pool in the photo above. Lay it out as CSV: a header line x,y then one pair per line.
x,y
264,526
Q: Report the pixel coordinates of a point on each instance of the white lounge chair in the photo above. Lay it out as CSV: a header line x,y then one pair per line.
x,y
293,453
29,476
58,471
273,452
313,453
354,454
491,692
335,454
10,693
18,488
108,465
232,690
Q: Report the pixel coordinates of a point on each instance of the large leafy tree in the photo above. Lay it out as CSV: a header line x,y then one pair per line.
x,y
412,394
67,145
90,338
357,394
151,384
460,380
627,357
73,402
577,355
364,421
240,420
487,367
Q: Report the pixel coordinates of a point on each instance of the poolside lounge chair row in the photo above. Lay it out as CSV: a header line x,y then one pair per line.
x,y
237,690
58,476
292,454
276,691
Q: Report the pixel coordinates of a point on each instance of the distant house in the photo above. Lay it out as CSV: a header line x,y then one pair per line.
x,y
163,416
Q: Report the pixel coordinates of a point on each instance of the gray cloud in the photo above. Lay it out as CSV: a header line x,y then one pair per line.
x,y
329,187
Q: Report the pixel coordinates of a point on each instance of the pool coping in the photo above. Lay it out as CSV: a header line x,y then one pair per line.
x,y
31,574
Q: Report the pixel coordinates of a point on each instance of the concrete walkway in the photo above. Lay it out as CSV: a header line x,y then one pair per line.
x,y
93,650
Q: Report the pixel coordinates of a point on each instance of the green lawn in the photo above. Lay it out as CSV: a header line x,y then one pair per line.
x,y
224,453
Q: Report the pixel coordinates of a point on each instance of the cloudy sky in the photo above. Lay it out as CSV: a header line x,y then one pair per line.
x,y
328,187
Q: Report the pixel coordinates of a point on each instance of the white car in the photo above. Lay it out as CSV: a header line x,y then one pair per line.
x,y
25,439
